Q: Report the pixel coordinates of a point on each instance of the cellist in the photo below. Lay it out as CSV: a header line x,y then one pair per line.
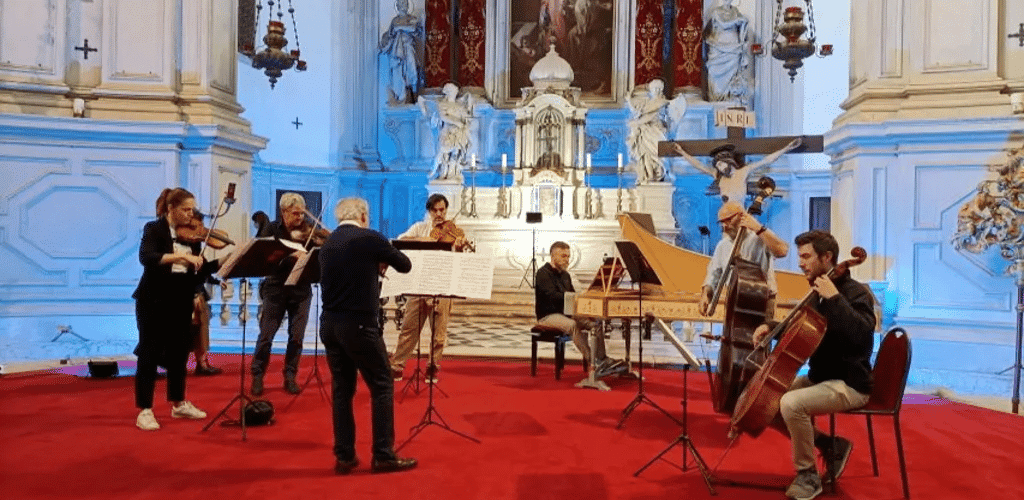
x,y
840,369
420,311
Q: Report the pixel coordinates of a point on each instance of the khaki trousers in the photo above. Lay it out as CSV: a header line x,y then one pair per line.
x,y
577,329
806,399
419,312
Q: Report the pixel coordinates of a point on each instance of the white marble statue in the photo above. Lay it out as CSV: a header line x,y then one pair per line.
x,y
730,177
728,58
650,117
400,43
451,118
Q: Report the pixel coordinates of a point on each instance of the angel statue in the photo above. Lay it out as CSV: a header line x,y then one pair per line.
x,y
995,215
730,177
651,116
401,45
451,118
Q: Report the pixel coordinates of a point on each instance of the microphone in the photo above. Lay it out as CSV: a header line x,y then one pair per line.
x,y
229,197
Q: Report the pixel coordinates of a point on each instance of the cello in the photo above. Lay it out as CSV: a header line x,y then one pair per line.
x,y
801,333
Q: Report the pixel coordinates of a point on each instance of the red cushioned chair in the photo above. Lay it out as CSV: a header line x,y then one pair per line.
x,y
892,365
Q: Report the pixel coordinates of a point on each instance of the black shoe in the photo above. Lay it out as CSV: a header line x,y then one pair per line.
x,y
393,465
836,453
207,370
431,374
396,374
257,386
291,387
342,467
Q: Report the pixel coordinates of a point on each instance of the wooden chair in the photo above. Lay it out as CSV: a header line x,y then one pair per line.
x,y
892,365
542,333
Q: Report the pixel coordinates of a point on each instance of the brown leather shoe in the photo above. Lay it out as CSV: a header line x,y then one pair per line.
x,y
394,465
343,467
291,387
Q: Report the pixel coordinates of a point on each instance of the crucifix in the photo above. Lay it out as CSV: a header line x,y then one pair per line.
x,y
86,49
297,123
729,168
1019,35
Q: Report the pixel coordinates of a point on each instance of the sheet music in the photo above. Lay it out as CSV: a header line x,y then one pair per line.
x,y
434,272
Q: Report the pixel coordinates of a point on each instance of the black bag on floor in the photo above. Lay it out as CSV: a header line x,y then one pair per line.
x,y
259,412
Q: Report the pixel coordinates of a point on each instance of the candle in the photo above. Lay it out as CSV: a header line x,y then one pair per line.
x,y
620,163
472,161
504,162
589,164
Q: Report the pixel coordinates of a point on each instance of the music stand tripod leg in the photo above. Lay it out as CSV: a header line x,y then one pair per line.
x,y
641,396
243,399
684,439
431,411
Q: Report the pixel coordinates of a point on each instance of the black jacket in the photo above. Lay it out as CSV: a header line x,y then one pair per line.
x,y
158,282
845,350
549,291
350,266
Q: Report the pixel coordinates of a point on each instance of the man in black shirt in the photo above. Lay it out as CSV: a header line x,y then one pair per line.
x,y
351,262
839,378
552,283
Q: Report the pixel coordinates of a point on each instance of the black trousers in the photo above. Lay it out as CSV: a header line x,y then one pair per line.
x,y
165,340
356,343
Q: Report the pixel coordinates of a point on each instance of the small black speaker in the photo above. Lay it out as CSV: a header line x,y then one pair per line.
x,y
534,217
103,369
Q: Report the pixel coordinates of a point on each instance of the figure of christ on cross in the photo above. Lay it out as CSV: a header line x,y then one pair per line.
x,y
730,172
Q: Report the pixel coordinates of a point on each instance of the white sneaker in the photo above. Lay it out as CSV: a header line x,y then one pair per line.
x,y
146,421
186,410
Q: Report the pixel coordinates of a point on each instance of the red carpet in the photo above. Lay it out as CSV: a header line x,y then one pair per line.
x,y
67,437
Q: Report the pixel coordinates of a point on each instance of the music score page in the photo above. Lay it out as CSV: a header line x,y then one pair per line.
x,y
435,272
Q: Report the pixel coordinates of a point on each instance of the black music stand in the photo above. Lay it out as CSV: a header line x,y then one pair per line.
x,y
307,270
684,439
419,374
640,272
252,260
531,270
431,411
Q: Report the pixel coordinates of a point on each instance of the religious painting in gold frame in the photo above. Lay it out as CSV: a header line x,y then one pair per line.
x,y
584,36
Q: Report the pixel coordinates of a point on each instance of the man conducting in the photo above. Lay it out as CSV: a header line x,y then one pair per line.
x,y
351,262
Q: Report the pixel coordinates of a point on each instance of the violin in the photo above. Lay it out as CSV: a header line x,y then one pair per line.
x,y
448,232
310,235
196,232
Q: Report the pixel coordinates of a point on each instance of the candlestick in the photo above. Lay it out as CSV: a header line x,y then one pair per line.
x,y
589,164
504,162
472,161
620,163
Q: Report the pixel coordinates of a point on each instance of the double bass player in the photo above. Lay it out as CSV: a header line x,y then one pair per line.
x,y
840,368
751,295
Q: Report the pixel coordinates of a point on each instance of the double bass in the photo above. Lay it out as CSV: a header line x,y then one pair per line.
x,y
746,304
799,335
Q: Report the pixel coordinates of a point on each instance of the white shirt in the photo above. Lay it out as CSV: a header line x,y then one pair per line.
x,y
752,249
420,229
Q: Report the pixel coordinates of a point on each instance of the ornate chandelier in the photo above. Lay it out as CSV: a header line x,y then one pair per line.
x,y
273,60
788,43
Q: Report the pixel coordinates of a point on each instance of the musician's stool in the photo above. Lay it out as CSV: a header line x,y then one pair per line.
x,y
542,333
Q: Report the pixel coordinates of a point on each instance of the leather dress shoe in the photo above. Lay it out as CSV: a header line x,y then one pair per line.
x,y
342,467
291,387
393,465
207,370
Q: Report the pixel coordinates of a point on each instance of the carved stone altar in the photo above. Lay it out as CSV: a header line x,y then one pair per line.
x,y
550,174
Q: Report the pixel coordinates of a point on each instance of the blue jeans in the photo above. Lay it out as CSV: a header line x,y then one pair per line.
x,y
355,342
277,300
